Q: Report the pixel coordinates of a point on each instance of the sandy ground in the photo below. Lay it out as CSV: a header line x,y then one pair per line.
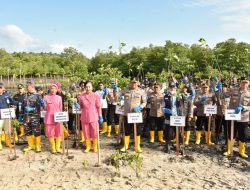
x,y
203,167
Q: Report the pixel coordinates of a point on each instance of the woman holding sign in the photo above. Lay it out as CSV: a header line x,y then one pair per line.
x,y
53,103
91,114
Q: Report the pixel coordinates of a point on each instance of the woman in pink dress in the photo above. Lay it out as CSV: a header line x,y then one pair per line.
x,y
53,103
91,114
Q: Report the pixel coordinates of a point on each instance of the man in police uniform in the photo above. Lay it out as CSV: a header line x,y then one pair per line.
x,y
18,99
205,98
31,108
240,101
156,114
186,109
112,99
134,101
222,96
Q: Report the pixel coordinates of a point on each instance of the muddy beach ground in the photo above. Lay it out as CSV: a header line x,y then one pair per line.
x,y
203,167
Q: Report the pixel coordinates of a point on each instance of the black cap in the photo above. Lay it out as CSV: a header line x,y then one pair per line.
x,y
39,88
172,84
82,82
1,84
244,79
30,83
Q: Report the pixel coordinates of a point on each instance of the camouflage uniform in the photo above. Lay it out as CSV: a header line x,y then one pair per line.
x,y
32,119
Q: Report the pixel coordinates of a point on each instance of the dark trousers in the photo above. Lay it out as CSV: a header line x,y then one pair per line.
x,y
220,123
104,114
33,126
241,128
130,126
156,122
112,117
200,122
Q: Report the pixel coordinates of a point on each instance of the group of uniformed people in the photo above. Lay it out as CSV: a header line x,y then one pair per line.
x,y
156,103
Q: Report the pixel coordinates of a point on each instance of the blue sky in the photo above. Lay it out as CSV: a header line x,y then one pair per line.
x,y
89,25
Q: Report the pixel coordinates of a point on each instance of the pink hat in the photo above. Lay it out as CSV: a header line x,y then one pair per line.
x,y
53,84
58,84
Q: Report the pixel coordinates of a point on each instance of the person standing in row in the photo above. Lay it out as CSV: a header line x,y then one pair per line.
x,y
240,101
90,116
5,103
186,109
205,98
53,103
156,114
134,101
31,108
102,93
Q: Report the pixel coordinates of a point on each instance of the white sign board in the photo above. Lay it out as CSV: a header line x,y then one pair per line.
x,y
8,113
135,118
210,109
61,116
178,121
231,115
119,110
42,114
74,110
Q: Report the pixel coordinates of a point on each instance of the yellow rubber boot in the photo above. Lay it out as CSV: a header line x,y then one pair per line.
x,y
82,137
160,137
104,128
229,144
242,150
109,131
38,143
95,145
197,137
208,138
65,133
116,129
3,136
187,137
31,143
52,145
173,140
138,148
22,132
1,146
15,134
58,145
88,145
126,144
152,136
8,141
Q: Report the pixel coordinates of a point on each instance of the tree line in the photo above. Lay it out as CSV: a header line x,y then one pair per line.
x,y
227,59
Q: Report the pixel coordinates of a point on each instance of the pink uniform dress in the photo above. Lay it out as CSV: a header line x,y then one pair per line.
x,y
90,105
53,104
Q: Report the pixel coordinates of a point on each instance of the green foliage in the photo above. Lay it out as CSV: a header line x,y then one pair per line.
x,y
135,161
15,123
228,58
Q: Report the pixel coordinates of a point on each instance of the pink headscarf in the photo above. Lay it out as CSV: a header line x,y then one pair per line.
x,y
58,85
53,85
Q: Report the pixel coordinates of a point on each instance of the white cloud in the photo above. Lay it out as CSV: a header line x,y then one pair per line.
x,y
13,38
234,14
